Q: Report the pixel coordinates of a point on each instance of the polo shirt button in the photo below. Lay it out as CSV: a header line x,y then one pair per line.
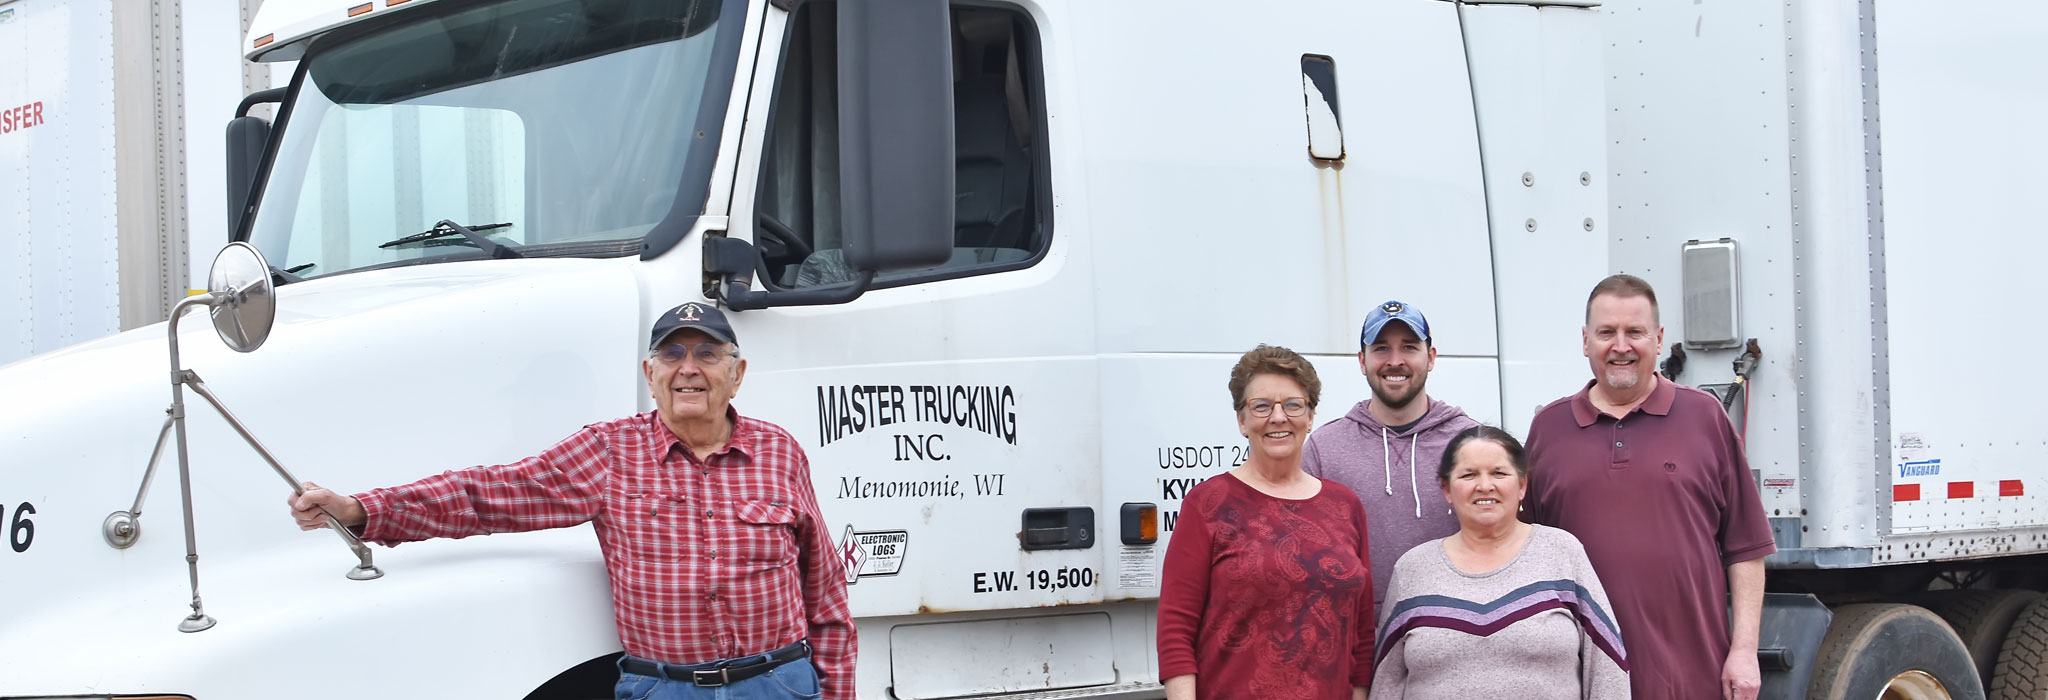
x,y
1617,443
707,512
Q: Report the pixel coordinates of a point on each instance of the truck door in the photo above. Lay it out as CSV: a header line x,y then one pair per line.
x,y
949,412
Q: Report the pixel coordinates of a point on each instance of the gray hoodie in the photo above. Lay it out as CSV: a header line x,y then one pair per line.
x,y
1394,476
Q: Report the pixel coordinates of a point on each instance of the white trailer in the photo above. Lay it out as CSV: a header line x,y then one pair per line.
x,y
95,98
1845,185
996,297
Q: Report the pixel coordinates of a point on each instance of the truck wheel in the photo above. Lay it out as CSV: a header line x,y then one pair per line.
x,y
1892,652
2023,664
1980,619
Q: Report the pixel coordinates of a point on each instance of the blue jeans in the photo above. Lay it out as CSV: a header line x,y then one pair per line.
x,y
796,679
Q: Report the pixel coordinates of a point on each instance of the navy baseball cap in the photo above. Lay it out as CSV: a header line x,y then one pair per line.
x,y
698,315
1389,312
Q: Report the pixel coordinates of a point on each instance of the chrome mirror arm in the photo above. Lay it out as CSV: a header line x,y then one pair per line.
x,y
198,621
122,528
365,569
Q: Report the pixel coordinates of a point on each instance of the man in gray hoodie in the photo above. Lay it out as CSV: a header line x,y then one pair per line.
x,y
1387,448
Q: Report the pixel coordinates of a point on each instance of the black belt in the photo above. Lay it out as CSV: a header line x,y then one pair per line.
x,y
717,673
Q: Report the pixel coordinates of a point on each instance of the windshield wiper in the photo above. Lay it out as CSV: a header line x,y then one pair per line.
x,y
287,276
448,228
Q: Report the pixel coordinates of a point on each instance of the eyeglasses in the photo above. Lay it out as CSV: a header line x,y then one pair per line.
x,y
1295,407
706,354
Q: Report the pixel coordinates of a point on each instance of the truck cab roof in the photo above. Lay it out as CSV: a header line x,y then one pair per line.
x,y
281,28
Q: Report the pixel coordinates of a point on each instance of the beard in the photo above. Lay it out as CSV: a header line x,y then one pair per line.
x,y
1386,398
1623,378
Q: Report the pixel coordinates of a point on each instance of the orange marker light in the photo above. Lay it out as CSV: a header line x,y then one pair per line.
x,y
1139,523
263,40
388,3
360,9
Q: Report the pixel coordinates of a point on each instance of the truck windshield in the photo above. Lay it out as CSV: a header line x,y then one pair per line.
x,y
572,120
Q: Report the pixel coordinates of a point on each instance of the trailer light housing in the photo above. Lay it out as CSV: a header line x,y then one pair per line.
x,y
1140,523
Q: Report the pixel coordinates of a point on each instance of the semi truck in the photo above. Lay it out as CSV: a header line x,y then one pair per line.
x,y
991,262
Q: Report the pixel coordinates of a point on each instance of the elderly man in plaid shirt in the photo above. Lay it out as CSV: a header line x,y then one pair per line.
x,y
724,577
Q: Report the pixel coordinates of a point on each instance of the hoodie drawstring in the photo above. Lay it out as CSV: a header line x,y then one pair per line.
x,y
1386,462
1387,467
1414,490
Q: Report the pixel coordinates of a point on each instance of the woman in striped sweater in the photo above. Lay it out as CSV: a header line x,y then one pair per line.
x,y
1501,603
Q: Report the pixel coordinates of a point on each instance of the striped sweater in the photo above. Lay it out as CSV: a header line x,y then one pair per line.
x,y
1539,625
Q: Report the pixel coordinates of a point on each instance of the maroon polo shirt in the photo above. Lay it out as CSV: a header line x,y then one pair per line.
x,y
1663,500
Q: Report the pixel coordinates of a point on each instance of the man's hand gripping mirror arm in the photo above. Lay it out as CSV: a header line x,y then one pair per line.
x,y
311,508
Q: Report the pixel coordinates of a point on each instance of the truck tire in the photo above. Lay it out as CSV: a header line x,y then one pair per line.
x,y
2022,672
1980,619
1892,652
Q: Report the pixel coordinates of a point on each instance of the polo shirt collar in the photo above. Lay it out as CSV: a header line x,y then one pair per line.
x,y
1659,403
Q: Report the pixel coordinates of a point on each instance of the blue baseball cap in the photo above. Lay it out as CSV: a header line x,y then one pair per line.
x,y
1394,311
698,315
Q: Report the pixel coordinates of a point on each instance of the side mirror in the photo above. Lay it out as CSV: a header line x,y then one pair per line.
x,y
246,137
245,154
896,133
246,297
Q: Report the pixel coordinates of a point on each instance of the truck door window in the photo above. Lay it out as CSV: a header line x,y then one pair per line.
x,y
1002,213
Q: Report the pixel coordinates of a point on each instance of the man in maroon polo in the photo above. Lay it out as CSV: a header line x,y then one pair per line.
x,y
1651,477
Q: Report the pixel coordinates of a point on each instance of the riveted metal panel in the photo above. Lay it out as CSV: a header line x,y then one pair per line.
x,y
1697,149
168,70
1838,238
148,109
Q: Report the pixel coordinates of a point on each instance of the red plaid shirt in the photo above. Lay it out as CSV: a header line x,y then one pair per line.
x,y
709,559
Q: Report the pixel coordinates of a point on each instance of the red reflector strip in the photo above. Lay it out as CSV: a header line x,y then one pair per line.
x,y
360,9
1906,492
1962,489
2011,487
261,41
